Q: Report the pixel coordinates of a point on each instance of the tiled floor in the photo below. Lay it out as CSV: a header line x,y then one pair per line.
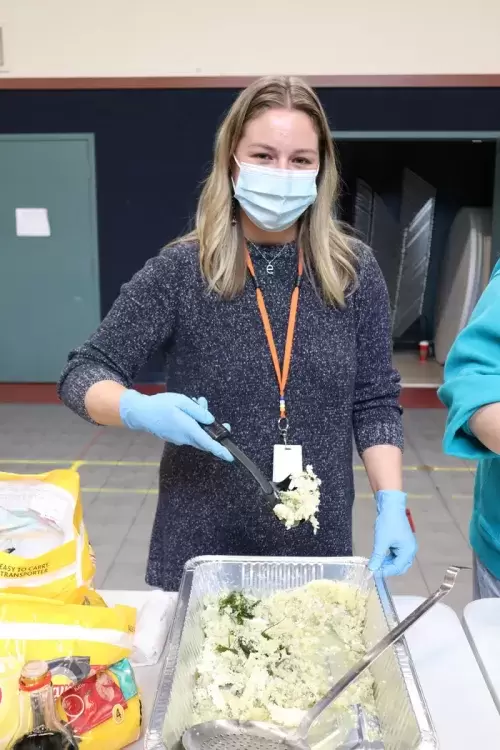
x,y
119,498
416,374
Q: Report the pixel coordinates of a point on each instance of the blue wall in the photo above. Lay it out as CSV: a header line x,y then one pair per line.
x,y
153,148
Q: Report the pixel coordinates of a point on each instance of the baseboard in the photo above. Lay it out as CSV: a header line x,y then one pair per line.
x,y
420,398
46,393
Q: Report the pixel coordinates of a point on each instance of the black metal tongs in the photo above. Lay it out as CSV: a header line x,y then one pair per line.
x,y
222,435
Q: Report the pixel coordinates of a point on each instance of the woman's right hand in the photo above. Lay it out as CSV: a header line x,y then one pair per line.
x,y
171,417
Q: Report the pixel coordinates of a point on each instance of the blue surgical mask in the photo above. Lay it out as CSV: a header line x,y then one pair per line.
x,y
274,198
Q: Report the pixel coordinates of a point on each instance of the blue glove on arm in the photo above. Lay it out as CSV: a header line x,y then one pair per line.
x,y
395,544
173,418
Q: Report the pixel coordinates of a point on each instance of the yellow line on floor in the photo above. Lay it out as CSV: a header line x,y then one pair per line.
x,y
152,491
72,463
360,467
76,464
153,464
425,468
410,496
36,461
119,491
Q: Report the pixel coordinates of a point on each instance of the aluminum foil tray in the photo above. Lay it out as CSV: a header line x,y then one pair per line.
x,y
404,718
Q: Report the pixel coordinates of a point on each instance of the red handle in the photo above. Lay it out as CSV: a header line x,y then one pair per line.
x,y
410,519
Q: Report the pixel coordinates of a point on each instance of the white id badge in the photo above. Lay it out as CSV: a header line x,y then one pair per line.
x,y
287,460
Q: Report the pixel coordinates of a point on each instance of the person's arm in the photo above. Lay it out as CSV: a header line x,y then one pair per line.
x,y
384,467
471,390
97,381
141,319
485,425
377,421
102,403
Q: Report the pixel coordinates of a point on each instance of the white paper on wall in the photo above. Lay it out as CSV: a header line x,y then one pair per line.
x,y
32,222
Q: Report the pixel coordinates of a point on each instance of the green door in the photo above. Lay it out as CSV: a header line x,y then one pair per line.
x,y
49,284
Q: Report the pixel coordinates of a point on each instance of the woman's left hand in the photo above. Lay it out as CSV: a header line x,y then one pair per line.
x,y
395,545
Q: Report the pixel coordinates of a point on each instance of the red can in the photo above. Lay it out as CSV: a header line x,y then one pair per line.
x,y
424,351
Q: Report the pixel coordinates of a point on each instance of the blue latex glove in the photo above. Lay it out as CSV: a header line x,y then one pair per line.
x,y
204,403
395,544
173,418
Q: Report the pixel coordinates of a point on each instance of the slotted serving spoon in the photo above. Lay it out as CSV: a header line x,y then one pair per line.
x,y
236,735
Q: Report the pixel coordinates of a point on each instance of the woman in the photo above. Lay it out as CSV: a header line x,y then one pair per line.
x,y
265,210
471,392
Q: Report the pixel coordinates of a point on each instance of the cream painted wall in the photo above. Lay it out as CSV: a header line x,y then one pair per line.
x,y
53,38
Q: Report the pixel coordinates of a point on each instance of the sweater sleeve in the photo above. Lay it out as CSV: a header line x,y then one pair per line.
x,y
139,322
472,374
377,416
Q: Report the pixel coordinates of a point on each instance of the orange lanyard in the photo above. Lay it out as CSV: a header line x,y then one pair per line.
x,y
282,373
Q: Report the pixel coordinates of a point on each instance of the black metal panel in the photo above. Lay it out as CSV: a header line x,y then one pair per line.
x,y
417,221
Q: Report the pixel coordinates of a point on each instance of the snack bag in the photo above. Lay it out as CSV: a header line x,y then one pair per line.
x,y
103,711
44,547
76,640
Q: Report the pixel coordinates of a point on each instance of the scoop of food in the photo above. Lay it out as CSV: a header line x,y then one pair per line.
x,y
300,502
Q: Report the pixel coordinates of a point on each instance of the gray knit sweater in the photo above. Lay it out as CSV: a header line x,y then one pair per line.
x,y
341,384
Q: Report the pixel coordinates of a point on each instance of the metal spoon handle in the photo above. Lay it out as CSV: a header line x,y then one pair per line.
x,y
376,651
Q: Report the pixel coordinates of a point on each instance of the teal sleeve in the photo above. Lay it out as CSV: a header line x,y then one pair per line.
x,y
472,374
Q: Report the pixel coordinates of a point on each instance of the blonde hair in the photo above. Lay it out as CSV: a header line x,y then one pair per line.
x,y
330,261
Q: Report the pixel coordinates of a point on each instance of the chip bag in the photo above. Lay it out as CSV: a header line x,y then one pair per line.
x,y
103,711
44,547
77,641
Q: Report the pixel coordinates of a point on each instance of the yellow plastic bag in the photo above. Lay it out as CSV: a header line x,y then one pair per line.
x,y
68,566
76,640
84,596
